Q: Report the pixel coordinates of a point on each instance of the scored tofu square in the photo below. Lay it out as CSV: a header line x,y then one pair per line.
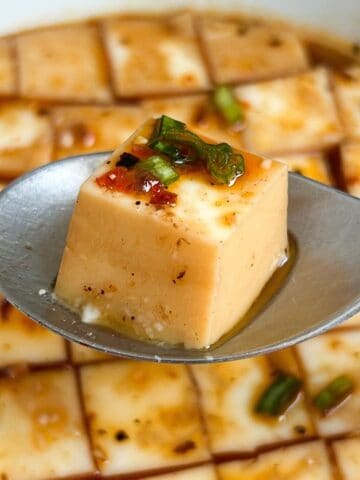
x,y
206,472
154,56
308,461
325,358
199,115
142,416
289,115
41,431
312,165
229,393
157,274
84,129
81,354
347,92
350,162
24,341
347,454
7,69
26,140
242,50
63,63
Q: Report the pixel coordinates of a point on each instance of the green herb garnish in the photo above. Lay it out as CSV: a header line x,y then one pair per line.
x,y
160,169
334,393
279,395
227,105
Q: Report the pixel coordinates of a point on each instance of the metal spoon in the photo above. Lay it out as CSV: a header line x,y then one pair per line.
x,y
322,290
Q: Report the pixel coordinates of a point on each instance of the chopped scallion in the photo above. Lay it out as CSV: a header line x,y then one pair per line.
x,y
227,105
279,395
334,393
159,168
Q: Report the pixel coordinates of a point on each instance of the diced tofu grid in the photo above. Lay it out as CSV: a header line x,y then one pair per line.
x,y
67,411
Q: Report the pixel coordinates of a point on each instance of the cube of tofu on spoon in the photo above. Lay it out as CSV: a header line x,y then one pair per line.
x,y
173,238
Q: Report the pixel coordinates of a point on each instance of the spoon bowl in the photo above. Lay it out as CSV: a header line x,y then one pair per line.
x,y
322,289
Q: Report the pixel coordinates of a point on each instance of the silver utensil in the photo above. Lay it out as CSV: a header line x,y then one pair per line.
x,y
322,290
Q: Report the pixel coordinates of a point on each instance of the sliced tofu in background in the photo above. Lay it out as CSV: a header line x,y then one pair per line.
x,y
312,165
42,435
347,92
347,454
82,354
308,461
350,162
24,341
8,82
81,129
228,395
63,64
26,138
198,114
154,56
206,472
325,358
143,416
244,49
290,115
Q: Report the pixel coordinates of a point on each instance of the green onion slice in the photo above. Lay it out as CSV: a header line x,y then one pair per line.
x,y
227,105
159,168
334,393
279,395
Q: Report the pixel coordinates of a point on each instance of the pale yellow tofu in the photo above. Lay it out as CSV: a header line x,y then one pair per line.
x,y
154,56
325,358
26,139
243,50
229,393
82,129
24,341
63,63
198,113
42,435
81,354
155,273
350,162
289,115
347,91
347,454
206,472
7,68
142,416
312,165
308,461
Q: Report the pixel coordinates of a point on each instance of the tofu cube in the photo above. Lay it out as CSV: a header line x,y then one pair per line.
x,y
151,420
347,454
168,273
63,64
347,92
312,165
154,56
205,472
7,68
290,115
246,49
350,162
26,138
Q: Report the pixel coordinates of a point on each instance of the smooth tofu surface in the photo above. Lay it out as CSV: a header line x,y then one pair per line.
x,y
24,341
228,395
158,424
245,49
300,462
312,165
41,431
81,354
295,114
347,454
26,140
82,129
206,472
156,273
7,68
198,113
350,162
152,56
62,64
325,358
347,92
